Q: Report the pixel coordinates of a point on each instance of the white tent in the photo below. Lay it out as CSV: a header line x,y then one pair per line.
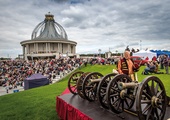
x,y
144,54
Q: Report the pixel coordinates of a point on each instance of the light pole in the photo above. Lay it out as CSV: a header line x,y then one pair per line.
x,y
99,52
116,51
140,44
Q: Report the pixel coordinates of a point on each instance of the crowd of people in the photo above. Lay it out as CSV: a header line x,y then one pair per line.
x,y
13,72
153,66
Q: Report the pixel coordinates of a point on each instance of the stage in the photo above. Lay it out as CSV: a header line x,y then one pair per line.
x,y
73,107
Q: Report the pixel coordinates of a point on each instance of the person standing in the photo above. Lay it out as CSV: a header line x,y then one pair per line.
x,y
161,61
126,66
166,63
7,86
154,58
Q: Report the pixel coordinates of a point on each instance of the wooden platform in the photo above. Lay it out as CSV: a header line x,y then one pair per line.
x,y
90,110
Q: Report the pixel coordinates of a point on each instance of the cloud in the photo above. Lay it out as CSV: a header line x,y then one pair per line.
x,y
93,24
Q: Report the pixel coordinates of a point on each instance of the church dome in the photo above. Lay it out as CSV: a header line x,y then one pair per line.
x,y
49,29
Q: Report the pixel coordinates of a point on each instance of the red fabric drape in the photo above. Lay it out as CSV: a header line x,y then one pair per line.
x,y
61,108
68,112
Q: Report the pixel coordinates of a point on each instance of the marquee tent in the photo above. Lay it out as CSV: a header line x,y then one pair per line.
x,y
144,54
161,52
36,80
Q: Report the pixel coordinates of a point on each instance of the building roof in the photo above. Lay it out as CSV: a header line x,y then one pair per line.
x,y
49,29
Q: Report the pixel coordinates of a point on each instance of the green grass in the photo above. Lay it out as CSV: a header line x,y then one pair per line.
x,y
40,103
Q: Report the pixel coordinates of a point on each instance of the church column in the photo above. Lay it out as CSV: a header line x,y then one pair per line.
x,y
46,47
29,46
37,47
49,47
74,49
62,51
68,48
59,47
34,49
26,52
27,49
23,49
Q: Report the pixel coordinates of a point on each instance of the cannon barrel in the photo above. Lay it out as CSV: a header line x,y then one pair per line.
x,y
122,85
95,80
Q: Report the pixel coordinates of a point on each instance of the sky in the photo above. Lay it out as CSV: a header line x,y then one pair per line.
x,y
108,25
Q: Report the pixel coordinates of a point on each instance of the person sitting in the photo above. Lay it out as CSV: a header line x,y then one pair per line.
x,y
150,67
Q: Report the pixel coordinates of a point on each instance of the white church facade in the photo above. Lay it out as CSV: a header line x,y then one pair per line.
x,y
48,40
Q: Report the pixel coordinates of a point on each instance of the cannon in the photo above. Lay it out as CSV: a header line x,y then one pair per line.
x,y
86,84
72,82
75,83
89,86
119,93
79,84
150,96
102,87
94,85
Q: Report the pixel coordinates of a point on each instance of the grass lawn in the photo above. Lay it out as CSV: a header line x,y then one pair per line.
x,y
40,103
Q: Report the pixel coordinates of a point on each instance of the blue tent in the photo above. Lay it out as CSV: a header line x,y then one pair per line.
x,y
36,80
161,52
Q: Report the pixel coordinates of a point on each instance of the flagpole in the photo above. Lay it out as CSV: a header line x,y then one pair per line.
x,y
140,44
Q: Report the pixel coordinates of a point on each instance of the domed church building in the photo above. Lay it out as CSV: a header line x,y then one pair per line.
x,y
48,40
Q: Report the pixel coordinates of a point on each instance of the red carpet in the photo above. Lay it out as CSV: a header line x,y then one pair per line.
x,y
66,91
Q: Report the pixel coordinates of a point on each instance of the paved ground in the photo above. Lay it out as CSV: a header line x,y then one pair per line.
x,y
19,88
3,90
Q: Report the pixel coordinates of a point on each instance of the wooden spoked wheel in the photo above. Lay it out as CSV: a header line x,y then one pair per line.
x,y
117,99
101,90
151,99
80,83
90,84
72,82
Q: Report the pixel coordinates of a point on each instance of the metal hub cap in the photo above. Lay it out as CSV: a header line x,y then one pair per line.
x,y
154,101
122,94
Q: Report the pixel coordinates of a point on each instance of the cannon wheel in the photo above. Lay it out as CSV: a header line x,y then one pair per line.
x,y
151,99
73,81
117,99
101,90
90,88
80,83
